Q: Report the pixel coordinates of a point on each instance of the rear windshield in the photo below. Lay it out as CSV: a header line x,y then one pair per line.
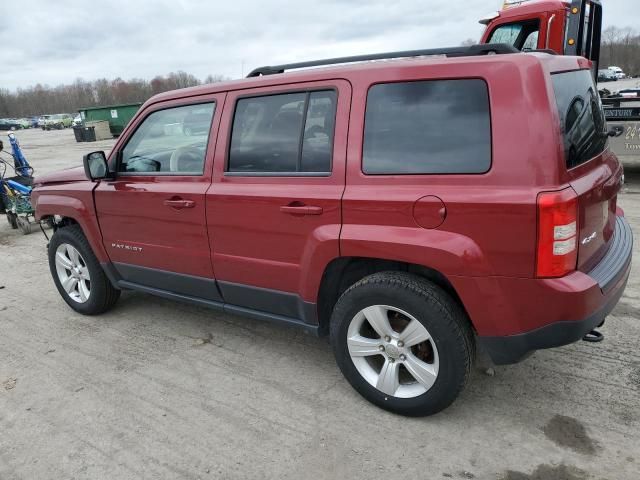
x,y
582,119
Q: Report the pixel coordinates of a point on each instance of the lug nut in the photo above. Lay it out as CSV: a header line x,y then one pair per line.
x,y
403,358
387,338
381,348
401,344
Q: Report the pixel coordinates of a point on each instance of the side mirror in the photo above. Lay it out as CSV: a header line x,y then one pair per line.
x,y
96,166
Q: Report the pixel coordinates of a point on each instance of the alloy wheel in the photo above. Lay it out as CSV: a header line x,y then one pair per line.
x,y
73,273
393,351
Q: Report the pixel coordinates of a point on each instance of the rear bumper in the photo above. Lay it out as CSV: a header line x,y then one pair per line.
x,y
610,278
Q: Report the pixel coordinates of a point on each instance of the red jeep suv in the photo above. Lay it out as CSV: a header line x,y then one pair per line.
x,y
411,208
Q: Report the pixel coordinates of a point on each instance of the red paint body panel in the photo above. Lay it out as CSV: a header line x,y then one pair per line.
x,y
132,212
72,199
253,241
503,306
491,218
597,184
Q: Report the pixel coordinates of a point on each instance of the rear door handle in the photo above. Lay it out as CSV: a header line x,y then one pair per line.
x,y
301,209
179,203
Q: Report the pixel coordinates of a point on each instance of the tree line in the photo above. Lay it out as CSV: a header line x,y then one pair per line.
x,y
620,47
43,99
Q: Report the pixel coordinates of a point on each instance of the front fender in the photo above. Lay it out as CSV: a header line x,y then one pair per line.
x,y
77,205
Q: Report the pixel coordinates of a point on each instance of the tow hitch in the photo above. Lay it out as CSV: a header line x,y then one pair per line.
x,y
594,336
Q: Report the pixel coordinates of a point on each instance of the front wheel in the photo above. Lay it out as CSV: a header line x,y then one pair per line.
x,y
77,273
402,342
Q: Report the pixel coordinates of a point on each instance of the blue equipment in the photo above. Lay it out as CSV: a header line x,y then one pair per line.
x,y
20,163
15,191
23,189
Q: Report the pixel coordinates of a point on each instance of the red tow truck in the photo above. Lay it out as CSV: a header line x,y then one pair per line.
x,y
567,28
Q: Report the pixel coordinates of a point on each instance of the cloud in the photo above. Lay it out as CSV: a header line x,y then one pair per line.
x,y
56,42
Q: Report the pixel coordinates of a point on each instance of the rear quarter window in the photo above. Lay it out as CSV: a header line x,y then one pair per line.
x,y
427,127
582,121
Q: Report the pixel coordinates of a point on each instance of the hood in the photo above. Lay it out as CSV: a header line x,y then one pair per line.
x,y
75,174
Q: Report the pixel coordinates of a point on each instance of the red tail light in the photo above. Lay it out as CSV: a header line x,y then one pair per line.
x,y
557,233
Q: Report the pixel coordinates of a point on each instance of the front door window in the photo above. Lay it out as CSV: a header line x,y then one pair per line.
x,y
170,141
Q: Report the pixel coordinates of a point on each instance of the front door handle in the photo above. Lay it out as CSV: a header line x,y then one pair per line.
x,y
297,208
179,203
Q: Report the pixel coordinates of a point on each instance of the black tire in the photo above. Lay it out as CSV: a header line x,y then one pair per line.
x,y
441,315
103,294
13,220
24,225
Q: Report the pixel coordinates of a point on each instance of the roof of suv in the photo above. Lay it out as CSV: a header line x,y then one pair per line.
x,y
552,63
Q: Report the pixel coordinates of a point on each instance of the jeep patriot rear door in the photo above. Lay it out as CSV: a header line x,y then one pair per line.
x,y
152,216
273,210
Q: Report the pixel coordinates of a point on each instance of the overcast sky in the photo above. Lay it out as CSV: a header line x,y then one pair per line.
x,y
54,42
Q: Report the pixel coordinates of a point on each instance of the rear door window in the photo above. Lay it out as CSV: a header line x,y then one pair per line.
x,y
582,120
284,133
435,126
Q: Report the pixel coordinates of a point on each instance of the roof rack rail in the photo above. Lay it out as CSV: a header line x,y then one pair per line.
x,y
474,50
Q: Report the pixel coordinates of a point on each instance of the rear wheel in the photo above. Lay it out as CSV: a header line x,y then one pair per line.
x,y
77,273
402,342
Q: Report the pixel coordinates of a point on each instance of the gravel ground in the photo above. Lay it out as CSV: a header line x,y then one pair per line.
x,y
162,390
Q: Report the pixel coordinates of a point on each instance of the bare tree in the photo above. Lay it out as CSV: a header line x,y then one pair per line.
x,y
621,47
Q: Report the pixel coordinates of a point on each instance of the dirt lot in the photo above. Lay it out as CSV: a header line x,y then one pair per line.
x,y
162,390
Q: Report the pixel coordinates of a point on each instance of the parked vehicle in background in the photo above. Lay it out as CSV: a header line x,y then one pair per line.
x,y
26,123
617,71
42,119
622,112
379,203
10,124
34,122
629,93
607,75
77,121
568,27
58,121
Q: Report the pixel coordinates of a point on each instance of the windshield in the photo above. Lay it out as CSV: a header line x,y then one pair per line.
x,y
521,35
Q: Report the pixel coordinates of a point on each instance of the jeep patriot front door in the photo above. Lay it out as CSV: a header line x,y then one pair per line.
x,y
152,215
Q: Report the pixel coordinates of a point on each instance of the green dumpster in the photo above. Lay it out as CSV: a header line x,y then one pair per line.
x,y
118,116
